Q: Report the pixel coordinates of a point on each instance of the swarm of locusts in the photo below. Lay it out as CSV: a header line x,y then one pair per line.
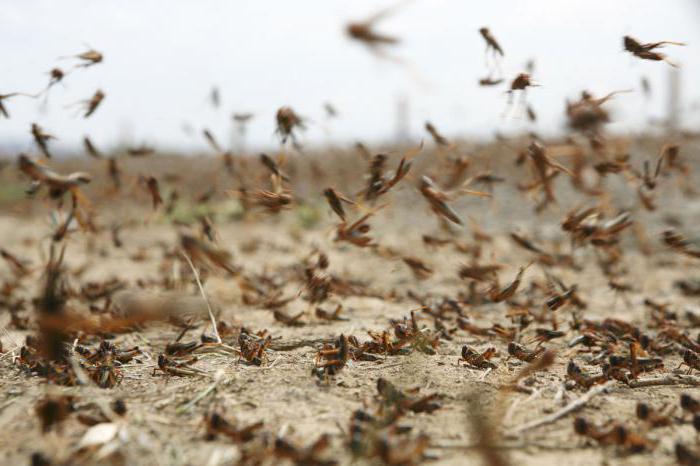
x,y
288,315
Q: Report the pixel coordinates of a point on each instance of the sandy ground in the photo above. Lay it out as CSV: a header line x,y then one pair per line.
x,y
164,429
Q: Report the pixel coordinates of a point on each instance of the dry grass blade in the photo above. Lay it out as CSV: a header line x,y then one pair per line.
x,y
204,296
569,408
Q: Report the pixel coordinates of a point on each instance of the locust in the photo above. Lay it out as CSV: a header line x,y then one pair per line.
x,y
211,140
92,103
498,294
439,139
151,184
480,360
178,368
41,138
91,149
437,199
646,51
335,201
56,183
364,31
492,44
216,425
204,253
4,97
88,58
287,123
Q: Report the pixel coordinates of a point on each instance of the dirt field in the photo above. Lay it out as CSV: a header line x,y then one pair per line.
x,y
164,423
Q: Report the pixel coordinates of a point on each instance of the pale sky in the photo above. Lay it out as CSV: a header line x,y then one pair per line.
x,y
163,57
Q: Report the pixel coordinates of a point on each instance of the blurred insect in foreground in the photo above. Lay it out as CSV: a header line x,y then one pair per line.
x,y
57,184
211,140
491,42
489,81
487,179
439,139
151,184
227,156
686,455
531,115
331,111
274,200
216,424
91,149
89,58
287,122
616,434
494,47
520,83
498,294
377,43
379,183
206,255
363,31
647,177
438,199
3,110
680,244
356,233
646,51
545,169
274,166
56,76
420,270
587,115
41,138
141,151
114,173
334,199
93,102
215,97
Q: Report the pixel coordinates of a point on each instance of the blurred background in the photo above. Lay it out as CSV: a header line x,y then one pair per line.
x,y
162,60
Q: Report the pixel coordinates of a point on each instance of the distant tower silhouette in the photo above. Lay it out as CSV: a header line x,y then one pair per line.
x,y
674,99
239,131
402,119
